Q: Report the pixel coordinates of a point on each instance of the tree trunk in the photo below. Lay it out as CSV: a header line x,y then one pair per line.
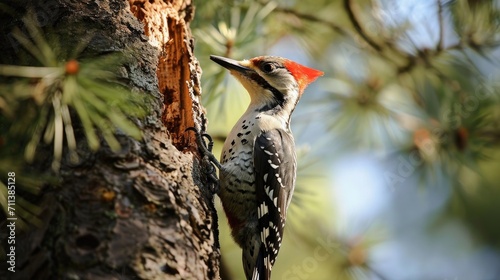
x,y
144,212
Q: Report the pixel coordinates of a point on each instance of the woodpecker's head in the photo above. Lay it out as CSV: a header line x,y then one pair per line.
x,y
274,83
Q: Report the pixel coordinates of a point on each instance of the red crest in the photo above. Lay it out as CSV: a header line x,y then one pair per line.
x,y
303,74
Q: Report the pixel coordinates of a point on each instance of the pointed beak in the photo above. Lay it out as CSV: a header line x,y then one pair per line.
x,y
230,64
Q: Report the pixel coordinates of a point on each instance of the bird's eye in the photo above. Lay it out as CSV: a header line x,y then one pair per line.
x,y
268,67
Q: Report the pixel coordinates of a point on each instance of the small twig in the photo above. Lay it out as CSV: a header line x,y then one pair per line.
x,y
357,25
313,18
494,136
411,63
441,26
457,46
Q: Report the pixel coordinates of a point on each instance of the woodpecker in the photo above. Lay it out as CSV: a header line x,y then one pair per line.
x,y
258,162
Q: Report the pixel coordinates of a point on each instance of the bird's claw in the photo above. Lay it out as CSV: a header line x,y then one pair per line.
x,y
209,161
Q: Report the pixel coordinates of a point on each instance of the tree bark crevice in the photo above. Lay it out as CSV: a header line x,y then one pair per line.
x,y
178,70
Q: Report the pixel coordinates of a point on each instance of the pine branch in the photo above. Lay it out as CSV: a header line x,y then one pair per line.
x,y
351,12
337,28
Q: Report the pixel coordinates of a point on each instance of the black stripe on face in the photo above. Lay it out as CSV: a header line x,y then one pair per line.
x,y
278,96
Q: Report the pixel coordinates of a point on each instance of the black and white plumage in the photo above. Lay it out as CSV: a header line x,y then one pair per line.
x,y
258,162
275,168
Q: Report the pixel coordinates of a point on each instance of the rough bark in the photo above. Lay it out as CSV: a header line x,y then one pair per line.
x,y
144,212
165,24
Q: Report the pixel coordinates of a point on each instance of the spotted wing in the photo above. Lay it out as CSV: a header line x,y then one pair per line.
x,y
275,169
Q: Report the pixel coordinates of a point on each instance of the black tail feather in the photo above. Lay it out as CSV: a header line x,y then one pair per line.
x,y
262,270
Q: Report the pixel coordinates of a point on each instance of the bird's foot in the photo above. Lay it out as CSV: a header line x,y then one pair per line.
x,y
209,161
